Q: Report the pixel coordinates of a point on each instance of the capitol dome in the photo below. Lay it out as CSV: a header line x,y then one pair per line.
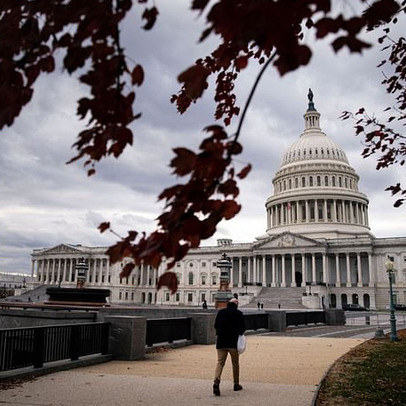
x,y
316,189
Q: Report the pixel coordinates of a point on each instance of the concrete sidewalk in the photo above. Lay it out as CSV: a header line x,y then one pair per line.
x,y
279,371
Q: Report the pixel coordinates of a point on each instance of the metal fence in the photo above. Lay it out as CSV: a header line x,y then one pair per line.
x,y
34,346
168,330
256,321
299,318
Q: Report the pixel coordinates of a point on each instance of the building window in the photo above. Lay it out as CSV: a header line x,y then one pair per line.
x,y
303,181
203,297
120,295
102,278
318,181
167,297
310,180
296,183
340,182
190,278
204,264
333,181
203,279
190,297
178,264
126,295
214,280
326,180
191,265
177,297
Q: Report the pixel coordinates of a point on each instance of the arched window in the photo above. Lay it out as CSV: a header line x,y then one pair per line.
x,y
296,182
310,180
303,181
326,181
190,278
333,181
318,181
290,183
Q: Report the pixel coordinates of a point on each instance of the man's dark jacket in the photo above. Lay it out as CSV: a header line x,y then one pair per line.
x,y
229,325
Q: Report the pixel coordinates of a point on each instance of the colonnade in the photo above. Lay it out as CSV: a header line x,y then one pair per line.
x,y
53,270
317,210
299,269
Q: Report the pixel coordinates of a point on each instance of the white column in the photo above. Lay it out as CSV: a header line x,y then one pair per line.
x,y
359,270
338,278
70,269
348,282
32,267
232,273
264,281
324,269
334,214
249,269
254,269
283,284
293,283
58,276
100,271
313,268
325,211
273,283
304,273
371,274
240,272
316,210
307,210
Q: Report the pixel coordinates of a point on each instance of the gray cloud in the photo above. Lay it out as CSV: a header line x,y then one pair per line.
x,y
44,202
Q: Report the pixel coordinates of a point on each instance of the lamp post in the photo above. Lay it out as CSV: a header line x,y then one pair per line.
x,y
81,269
389,269
223,295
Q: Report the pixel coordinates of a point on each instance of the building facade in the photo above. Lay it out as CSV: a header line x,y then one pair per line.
x,y
317,240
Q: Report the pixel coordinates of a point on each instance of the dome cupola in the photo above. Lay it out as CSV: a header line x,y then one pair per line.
x,y
316,189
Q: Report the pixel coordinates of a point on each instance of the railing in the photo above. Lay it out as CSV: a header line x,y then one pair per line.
x,y
168,330
296,319
256,321
34,346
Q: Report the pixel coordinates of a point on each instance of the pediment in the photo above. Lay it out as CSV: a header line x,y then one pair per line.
x,y
62,249
287,240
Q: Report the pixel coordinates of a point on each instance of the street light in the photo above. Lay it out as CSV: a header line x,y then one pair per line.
x,y
223,295
389,269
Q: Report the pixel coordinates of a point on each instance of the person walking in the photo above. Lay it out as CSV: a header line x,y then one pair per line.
x,y
229,324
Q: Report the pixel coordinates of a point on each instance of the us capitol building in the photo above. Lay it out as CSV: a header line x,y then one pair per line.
x,y
318,245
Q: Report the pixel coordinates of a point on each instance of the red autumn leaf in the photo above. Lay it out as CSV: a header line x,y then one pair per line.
x,y
230,209
170,280
184,162
137,75
104,226
241,62
150,14
194,81
244,172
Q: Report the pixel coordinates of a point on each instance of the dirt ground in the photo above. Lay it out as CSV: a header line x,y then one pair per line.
x,y
277,360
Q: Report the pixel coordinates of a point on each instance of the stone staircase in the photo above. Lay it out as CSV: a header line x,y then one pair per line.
x,y
288,298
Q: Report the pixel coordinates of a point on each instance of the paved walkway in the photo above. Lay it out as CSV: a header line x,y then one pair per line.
x,y
275,371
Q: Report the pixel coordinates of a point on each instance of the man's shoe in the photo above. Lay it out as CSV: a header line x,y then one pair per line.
x,y
216,388
237,387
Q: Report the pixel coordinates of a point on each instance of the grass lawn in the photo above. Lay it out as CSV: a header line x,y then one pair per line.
x,y
373,373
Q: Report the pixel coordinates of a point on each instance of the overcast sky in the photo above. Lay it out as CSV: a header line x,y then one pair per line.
x,y
45,202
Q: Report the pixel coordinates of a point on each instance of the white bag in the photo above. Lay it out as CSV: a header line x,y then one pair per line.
x,y
241,344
